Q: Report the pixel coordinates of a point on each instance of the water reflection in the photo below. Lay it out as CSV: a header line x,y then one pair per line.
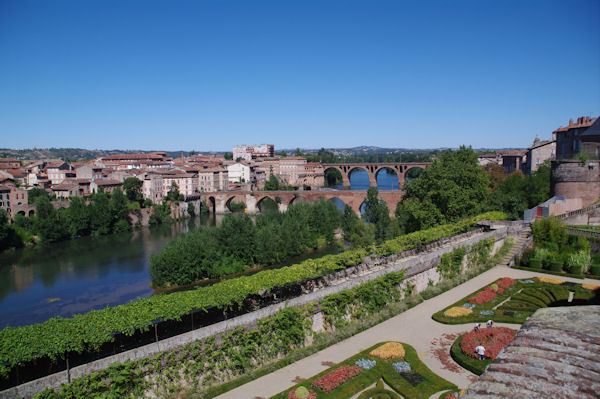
x,y
79,275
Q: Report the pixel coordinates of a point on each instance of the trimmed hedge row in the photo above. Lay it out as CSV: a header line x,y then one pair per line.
x,y
89,331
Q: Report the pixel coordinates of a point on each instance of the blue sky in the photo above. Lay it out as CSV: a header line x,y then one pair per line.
x,y
205,75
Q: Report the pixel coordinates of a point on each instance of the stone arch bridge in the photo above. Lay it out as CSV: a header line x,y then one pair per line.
x,y
373,169
219,201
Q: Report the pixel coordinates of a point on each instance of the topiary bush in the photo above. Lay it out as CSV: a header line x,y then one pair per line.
x,y
535,263
595,270
556,266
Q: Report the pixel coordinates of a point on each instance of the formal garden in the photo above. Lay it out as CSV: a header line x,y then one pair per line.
x,y
513,301
384,370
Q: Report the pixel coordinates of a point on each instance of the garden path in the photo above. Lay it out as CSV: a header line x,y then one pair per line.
x,y
415,327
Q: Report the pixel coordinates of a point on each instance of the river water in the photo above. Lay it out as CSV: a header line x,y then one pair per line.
x,y
88,273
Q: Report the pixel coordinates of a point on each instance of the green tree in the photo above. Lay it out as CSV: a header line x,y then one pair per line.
x,y
78,218
228,156
49,225
191,209
173,194
118,209
36,192
133,188
101,216
272,184
8,237
377,214
454,186
237,237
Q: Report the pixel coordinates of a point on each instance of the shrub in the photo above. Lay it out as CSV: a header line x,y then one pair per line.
x,y
535,263
595,270
549,231
575,270
556,266
527,255
580,260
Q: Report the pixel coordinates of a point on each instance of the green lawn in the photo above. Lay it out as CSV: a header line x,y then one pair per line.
x,y
426,383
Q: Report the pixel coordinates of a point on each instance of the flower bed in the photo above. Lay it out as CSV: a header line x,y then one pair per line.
x,y
591,287
389,350
493,340
402,367
302,393
366,364
550,280
457,311
335,378
506,282
484,296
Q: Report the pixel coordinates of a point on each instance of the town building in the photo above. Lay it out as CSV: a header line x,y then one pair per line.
x,y
292,170
250,152
571,175
240,172
538,153
13,200
59,171
571,139
105,185
213,179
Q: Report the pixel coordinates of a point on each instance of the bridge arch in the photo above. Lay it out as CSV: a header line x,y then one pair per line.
x,y
235,199
299,199
265,203
412,172
212,204
392,184
32,212
360,168
333,172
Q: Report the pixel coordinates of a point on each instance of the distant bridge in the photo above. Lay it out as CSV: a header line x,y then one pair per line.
x,y
219,202
373,169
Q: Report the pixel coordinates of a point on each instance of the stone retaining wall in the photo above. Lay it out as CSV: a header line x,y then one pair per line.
x,y
418,265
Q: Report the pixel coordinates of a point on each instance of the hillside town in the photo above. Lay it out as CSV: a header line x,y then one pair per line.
x,y
251,166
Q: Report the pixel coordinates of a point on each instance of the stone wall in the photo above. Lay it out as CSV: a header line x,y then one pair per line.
x,y
572,179
418,266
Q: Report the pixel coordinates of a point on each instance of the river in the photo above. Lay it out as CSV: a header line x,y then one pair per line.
x,y
88,273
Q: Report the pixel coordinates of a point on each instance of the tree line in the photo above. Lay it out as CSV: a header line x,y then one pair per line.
x,y
239,243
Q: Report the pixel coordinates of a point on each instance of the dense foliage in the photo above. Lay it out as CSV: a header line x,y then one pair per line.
x,y
8,235
237,244
89,331
454,186
519,192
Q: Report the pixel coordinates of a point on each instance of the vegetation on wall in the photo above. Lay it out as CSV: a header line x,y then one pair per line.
x,y
243,355
89,331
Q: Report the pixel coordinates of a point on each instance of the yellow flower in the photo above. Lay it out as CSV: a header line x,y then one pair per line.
x,y
389,350
457,311
550,280
591,287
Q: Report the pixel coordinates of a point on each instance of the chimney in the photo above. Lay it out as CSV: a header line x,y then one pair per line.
x,y
570,122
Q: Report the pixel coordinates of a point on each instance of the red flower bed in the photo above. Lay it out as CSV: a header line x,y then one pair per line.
x,y
335,378
484,296
506,282
500,290
493,340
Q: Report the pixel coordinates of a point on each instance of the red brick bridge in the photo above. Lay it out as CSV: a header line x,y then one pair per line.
x,y
373,169
219,202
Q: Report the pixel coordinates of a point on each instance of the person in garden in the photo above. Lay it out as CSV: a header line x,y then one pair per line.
x,y
490,323
476,327
480,350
